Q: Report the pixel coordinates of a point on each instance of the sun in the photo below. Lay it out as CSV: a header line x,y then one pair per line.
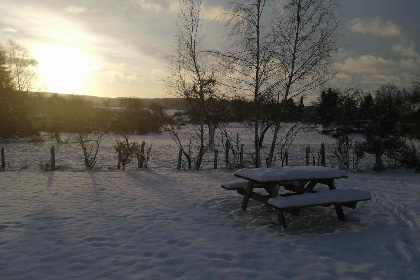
x,y
62,69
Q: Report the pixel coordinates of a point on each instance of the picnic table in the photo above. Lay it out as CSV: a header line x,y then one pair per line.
x,y
300,182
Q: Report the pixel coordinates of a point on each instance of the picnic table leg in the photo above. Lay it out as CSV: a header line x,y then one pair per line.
x,y
340,213
338,208
272,190
280,218
248,192
331,184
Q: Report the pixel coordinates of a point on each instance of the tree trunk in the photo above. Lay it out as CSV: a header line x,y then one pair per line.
x,y
379,165
179,159
323,154
3,161
201,150
142,157
257,145
308,151
212,129
273,145
263,132
52,158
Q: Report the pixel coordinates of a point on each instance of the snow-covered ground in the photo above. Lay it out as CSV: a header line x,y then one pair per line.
x,y
159,223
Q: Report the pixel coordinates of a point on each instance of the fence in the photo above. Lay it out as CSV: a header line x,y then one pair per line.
x,y
45,156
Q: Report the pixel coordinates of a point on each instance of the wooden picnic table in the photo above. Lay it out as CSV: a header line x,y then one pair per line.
x,y
299,180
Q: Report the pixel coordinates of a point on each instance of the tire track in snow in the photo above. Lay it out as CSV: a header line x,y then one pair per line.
x,y
407,246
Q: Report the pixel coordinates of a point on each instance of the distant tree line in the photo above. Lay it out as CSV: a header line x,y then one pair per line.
x,y
389,120
24,112
34,112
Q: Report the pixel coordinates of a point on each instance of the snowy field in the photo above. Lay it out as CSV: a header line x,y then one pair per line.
x,y
159,223
164,224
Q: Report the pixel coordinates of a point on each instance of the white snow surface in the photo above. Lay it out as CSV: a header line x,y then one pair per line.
x,y
290,173
320,198
22,156
166,224
235,184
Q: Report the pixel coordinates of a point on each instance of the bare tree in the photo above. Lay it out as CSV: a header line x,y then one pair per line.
x,y
90,148
249,56
125,150
22,66
193,77
287,140
184,151
306,37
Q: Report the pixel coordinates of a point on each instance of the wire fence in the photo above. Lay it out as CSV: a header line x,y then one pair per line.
x,y
69,156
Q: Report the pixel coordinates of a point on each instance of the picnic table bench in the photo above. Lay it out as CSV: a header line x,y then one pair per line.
x,y
301,182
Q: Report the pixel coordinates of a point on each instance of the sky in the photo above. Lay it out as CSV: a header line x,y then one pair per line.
x,y
117,48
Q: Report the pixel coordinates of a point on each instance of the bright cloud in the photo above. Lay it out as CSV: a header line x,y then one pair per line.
x,y
375,26
212,13
76,10
8,30
375,70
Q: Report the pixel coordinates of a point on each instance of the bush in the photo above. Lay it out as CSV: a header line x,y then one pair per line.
x,y
126,151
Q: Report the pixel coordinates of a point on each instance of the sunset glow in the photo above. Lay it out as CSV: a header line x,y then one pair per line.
x,y
63,69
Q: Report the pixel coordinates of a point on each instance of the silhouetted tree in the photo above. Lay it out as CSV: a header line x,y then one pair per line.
x,y
327,107
22,66
305,41
381,129
15,107
247,60
193,77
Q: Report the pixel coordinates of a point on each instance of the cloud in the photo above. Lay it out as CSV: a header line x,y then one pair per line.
x,y
8,30
367,64
375,26
405,50
76,10
375,70
155,6
212,13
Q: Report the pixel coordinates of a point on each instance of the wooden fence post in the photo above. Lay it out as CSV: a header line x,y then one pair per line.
x,y
179,159
119,158
227,148
241,156
52,150
216,154
313,160
3,160
308,151
322,154
141,162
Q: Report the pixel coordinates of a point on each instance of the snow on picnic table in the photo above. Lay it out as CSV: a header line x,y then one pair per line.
x,y
290,173
164,224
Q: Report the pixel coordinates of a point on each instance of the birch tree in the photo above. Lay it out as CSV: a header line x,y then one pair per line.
x,y
305,40
193,77
248,57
